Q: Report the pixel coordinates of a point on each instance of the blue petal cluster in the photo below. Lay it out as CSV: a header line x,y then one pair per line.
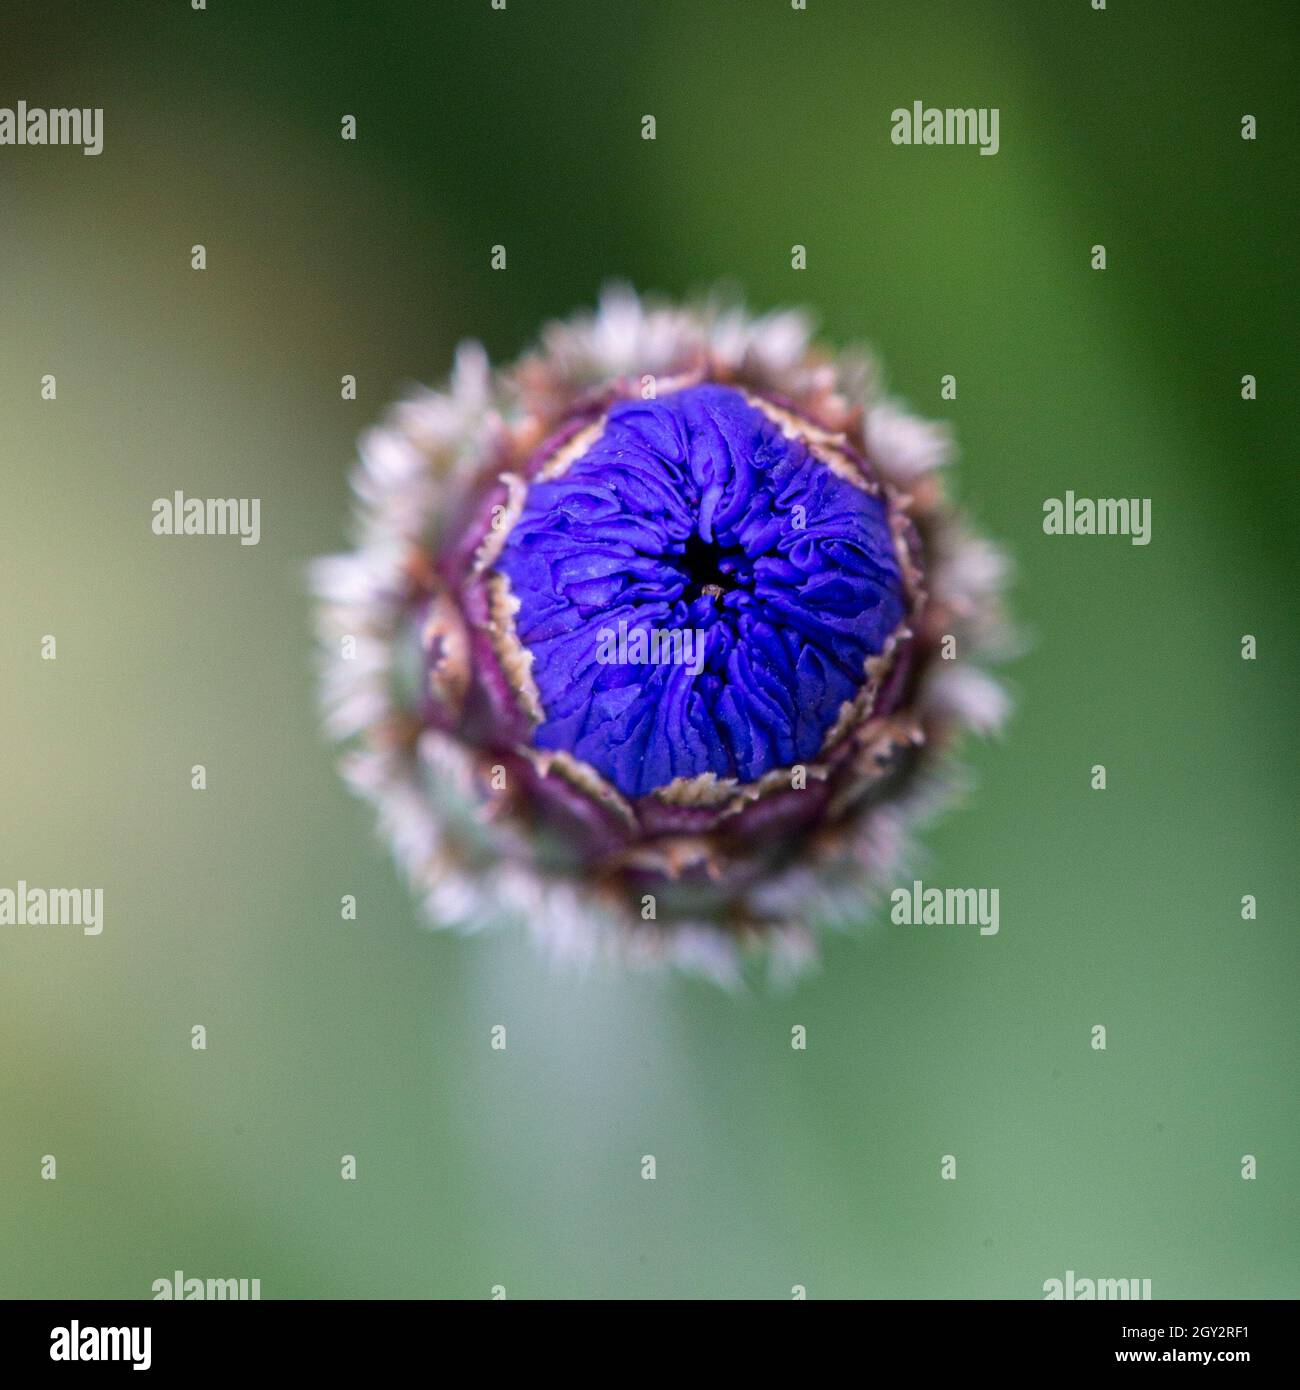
x,y
695,513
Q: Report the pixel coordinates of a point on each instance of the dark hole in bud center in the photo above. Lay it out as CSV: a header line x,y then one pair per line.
x,y
710,568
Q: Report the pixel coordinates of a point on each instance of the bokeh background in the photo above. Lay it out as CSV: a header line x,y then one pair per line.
x,y
522,1168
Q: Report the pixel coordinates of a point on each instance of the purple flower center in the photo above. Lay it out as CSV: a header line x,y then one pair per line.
x,y
699,593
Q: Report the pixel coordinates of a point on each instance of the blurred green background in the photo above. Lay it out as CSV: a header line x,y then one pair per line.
x,y
522,1168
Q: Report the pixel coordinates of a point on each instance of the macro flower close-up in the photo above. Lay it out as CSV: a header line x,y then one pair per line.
x,y
648,658
657,640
